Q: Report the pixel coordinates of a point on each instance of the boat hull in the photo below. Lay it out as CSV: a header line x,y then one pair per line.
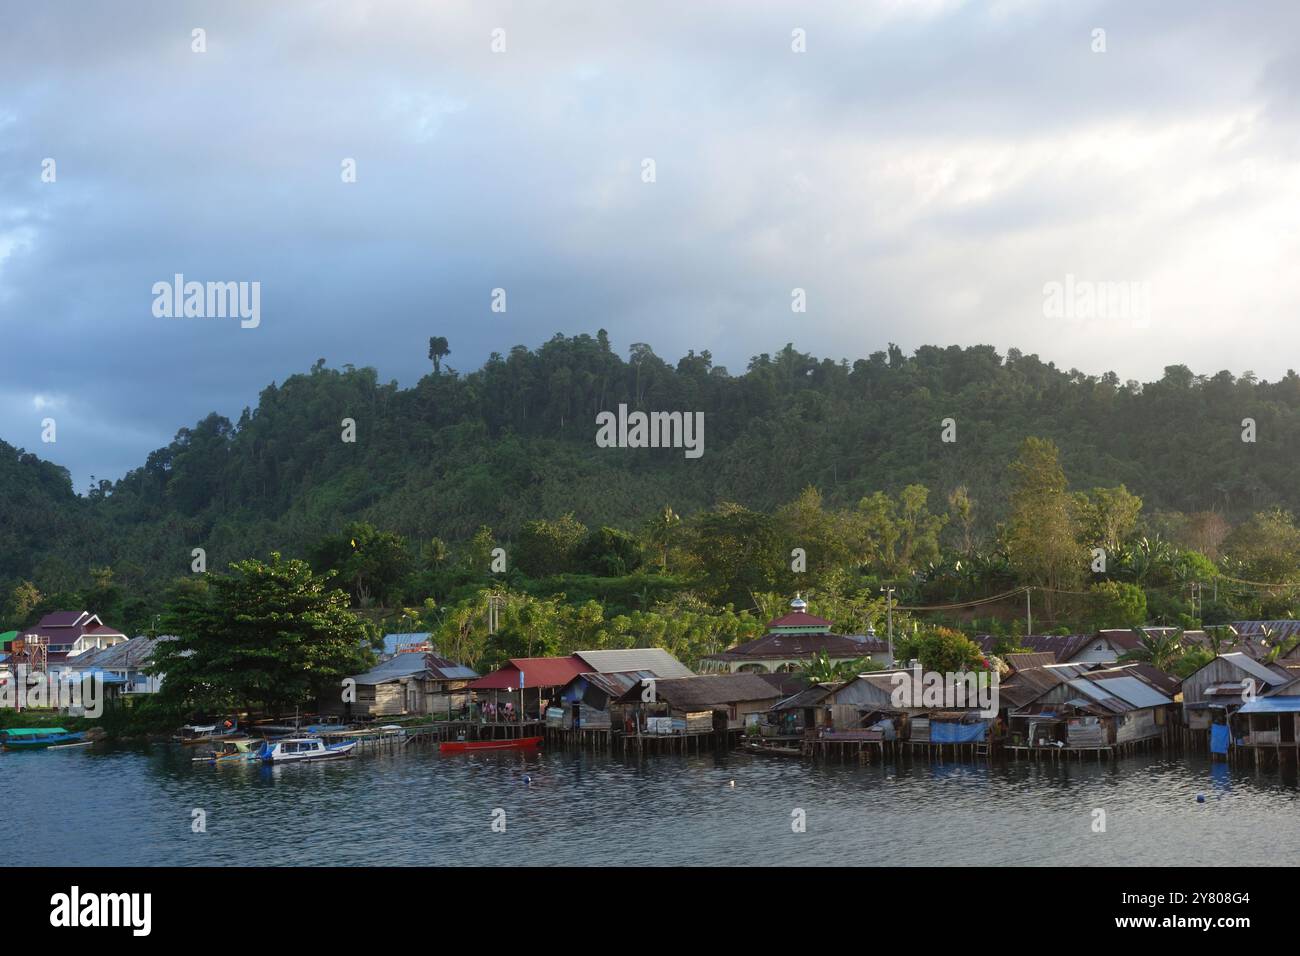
x,y
332,752
41,743
465,746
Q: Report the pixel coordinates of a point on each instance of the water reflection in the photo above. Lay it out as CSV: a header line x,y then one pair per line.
x,y
133,806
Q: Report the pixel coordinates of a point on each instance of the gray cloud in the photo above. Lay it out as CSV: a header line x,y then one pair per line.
x,y
923,170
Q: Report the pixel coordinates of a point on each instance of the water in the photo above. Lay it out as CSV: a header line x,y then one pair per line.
x,y
133,806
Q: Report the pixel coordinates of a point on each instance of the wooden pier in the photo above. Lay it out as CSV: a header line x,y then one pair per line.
x,y
398,736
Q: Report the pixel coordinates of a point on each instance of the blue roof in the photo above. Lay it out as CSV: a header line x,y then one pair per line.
x,y
393,641
1272,705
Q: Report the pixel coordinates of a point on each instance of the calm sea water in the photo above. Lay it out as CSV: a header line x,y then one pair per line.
x,y
134,807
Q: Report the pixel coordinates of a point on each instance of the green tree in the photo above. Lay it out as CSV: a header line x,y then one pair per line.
x,y
269,635
901,534
1117,604
544,548
661,533
1042,534
940,649
1107,516
1266,547
438,350
1160,649
371,562
23,599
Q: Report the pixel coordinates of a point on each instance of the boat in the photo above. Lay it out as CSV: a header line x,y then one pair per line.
x,y
771,750
234,751
37,738
192,734
462,746
298,749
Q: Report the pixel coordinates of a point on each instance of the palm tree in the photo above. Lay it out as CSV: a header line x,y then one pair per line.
x,y
819,669
660,532
1160,650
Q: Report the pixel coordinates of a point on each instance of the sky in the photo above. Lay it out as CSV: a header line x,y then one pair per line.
x,y
928,172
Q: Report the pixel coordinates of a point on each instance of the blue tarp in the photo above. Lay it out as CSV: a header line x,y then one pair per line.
x,y
946,732
1218,738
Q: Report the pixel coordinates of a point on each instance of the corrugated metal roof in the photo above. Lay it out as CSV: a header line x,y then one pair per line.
x,y
618,683
538,672
409,665
1021,661
136,652
656,660
1134,691
709,690
1099,695
809,697
1272,705
1255,669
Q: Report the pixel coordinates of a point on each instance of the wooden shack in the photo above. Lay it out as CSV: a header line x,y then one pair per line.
x,y
411,683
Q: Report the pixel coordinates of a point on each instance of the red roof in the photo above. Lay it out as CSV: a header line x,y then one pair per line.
x,y
799,619
538,672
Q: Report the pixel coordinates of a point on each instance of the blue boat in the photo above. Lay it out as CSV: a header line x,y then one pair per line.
x,y
36,738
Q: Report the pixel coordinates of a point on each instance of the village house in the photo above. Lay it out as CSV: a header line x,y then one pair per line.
x,y
1268,724
550,677
126,661
407,683
791,642
63,635
710,702
1075,707
1258,638
1217,690
591,700
804,711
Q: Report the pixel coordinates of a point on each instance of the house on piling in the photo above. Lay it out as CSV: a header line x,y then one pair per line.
x,y
709,702
804,711
547,679
1269,725
1213,693
406,684
791,642
1067,707
591,701
1224,684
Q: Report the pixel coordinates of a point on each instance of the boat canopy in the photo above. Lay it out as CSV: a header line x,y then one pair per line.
x,y
33,731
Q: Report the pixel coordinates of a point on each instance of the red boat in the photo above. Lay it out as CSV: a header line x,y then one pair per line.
x,y
460,746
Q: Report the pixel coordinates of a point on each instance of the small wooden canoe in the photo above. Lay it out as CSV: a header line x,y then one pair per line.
x,y
461,746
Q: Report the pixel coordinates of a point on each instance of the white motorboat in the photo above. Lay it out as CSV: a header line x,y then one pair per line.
x,y
293,749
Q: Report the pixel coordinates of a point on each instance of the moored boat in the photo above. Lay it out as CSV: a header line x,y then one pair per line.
x,y
461,746
297,749
234,751
192,734
37,738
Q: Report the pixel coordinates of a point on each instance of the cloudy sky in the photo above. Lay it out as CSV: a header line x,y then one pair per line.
x,y
924,170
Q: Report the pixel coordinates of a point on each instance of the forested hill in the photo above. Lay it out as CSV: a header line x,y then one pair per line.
x,y
515,440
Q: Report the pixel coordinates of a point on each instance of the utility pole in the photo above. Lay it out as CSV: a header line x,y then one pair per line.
x,y
1029,612
889,618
